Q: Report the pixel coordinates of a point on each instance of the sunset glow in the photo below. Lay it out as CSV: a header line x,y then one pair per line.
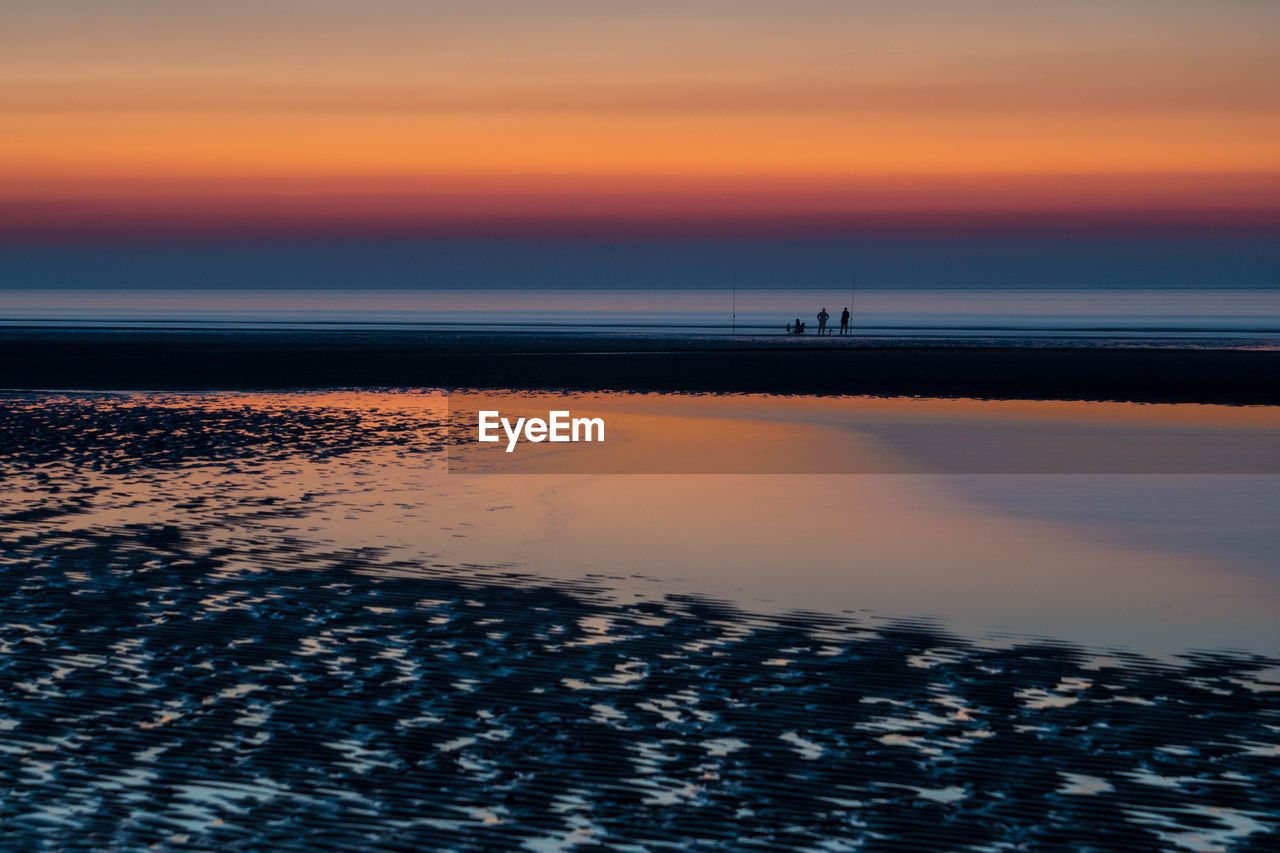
x,y
496,117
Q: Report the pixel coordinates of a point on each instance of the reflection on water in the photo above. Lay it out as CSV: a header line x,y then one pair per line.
x,y
1157,563
762,434
277,620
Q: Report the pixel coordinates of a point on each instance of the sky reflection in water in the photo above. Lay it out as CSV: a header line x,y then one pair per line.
x,y
1160,563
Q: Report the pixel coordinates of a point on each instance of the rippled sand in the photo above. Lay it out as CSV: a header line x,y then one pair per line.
x,y
198,673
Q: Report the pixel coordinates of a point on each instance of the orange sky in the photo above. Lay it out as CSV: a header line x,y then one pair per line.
x,y
402,112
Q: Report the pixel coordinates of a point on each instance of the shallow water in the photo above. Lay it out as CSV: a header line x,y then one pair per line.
x,y
280,619
990,518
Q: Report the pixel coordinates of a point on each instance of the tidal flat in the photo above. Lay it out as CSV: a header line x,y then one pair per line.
x,y
241,621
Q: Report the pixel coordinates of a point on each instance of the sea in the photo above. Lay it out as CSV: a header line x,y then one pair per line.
x,y
1147,289
1193,316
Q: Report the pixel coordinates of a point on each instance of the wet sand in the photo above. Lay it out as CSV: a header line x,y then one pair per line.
x,y
1084,370
153,698
205,679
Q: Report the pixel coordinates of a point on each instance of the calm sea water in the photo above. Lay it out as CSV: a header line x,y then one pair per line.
x,y
1247,315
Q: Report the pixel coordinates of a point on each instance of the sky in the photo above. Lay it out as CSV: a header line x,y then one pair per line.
x,y
700,117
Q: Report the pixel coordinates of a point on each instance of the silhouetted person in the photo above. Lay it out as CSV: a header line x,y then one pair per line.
x,y
789,332
823,316
799,327
844,322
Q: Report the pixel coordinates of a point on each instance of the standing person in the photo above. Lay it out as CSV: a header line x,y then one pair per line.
x,y
844,322
823,316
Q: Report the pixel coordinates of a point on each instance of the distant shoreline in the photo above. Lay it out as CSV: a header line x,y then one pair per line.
x,y
102,359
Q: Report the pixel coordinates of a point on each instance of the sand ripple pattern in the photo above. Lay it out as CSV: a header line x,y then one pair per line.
x,y
157,692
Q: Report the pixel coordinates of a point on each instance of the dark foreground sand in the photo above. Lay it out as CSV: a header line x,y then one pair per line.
x,y
102,359
196,681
